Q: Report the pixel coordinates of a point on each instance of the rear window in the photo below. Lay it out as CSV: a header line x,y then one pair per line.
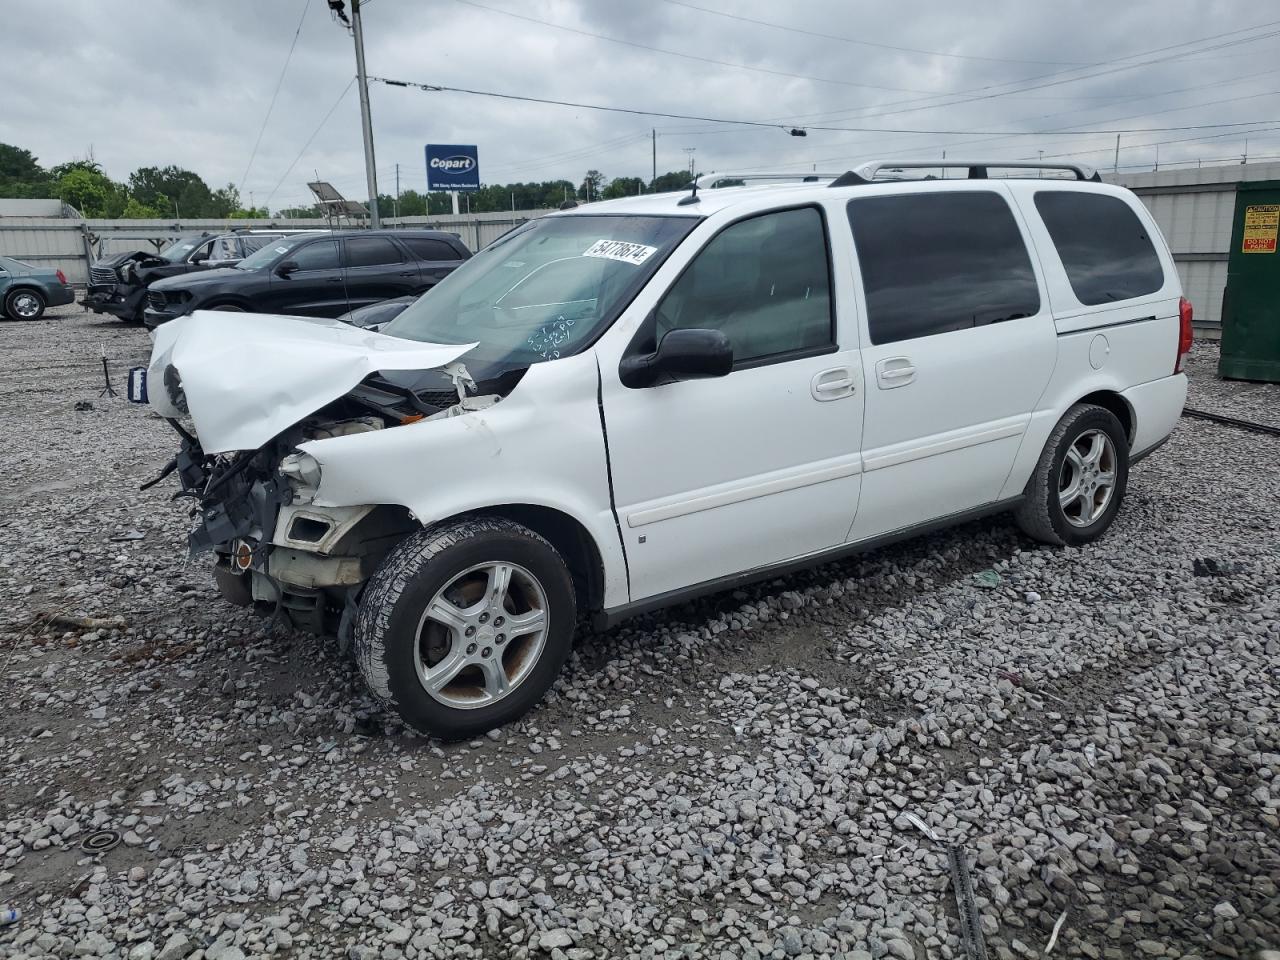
x,y
940,262
1105,249
424,248
371,252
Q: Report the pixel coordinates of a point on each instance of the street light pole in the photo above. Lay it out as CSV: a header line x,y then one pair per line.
x,y
366,122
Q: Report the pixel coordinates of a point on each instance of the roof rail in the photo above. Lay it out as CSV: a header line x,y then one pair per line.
x,y
709,180
866,172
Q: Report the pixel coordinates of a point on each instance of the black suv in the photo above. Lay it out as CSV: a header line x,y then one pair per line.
x,y
315,276
118,283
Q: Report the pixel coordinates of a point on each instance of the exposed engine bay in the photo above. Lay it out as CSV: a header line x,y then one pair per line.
x,y
254,508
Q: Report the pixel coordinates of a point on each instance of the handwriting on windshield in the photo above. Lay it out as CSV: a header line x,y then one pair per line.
x,y
546,340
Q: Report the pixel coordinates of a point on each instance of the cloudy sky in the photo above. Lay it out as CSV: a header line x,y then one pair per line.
x,y
154,82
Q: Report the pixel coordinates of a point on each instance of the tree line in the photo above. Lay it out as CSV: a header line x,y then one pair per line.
x,y
172,192
149,193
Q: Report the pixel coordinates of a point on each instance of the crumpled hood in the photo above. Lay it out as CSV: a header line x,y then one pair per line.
x,y
248,376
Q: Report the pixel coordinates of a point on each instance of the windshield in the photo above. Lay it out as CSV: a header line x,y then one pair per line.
x,y
179,248
545,290
268,255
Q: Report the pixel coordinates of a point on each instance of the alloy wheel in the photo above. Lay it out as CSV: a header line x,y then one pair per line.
x,y
481,635
1088,479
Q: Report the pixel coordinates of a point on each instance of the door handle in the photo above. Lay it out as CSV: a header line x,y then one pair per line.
x,y
332,279
894,372
409,273
833,384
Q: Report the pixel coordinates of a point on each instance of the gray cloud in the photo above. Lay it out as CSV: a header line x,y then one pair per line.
x,y
163,81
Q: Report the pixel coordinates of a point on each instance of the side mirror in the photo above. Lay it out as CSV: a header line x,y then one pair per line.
x,y
692,354
286,267
199,257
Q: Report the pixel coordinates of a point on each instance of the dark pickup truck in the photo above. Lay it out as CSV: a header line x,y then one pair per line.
x,y
118,284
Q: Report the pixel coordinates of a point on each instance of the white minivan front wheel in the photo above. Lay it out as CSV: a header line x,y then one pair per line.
x,y
465,625
1080,479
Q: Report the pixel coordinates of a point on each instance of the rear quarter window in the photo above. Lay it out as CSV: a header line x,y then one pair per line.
x,y
1105,249
425,248
941,262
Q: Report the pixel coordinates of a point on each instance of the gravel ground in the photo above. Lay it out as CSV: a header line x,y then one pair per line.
x,y
1096,727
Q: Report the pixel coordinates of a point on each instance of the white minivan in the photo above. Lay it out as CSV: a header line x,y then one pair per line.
x,y
625,405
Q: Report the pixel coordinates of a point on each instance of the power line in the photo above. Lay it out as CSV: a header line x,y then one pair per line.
x,y
688,56
314,133
870,43
436,88
979,95
306,5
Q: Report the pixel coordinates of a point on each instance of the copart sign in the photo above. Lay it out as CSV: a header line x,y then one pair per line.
x,y
452,166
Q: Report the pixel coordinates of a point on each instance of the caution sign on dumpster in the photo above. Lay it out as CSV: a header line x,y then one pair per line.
x,y
1261,223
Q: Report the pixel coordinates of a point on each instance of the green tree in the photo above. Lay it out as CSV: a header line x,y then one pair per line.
x,y
92,193
622,187
592,185
674,180
134,210
21,175
181,193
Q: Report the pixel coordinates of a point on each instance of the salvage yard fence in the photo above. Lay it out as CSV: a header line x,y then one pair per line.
x,y
70,244
1193,206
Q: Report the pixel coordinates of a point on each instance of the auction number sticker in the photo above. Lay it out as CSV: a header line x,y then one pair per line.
x,y
632,253
1261,223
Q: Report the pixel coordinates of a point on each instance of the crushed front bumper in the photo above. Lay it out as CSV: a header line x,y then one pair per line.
x,y
118,300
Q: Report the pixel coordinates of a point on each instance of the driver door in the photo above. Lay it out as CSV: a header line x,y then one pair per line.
x,y
314,288
722,476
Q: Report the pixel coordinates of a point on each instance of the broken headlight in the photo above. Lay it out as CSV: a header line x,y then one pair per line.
x,y
303,473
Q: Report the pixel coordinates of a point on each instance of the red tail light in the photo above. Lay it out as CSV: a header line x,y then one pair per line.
x,y
62,278
1185,334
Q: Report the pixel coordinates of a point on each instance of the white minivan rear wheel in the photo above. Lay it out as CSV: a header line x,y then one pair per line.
x,y
1080,479
465,625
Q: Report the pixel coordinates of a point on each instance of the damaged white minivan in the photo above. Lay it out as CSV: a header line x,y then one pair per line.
x,y
622,406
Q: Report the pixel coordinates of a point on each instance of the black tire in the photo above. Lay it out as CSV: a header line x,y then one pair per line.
x,y
1041,515
15,304
387,643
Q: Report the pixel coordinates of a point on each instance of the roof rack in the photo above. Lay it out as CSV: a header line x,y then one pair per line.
x,y
866,172
711,179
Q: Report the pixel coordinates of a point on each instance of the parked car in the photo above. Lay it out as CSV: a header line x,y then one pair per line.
x,y
315,276
118,284
25,290
377,315
624,406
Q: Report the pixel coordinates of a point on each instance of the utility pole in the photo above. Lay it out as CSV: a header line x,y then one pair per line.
x,y
1116,168
366,122
397,191
655,157
690,151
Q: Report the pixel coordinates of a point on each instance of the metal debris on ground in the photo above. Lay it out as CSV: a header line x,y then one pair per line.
x,y
100,841
83,406
1053,937
128,535
1211,567
47,618
970,922
987,579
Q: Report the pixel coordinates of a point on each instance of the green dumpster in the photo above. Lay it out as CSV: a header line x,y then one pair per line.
x,y
1251,303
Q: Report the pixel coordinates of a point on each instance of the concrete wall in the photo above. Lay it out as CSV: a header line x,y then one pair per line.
x,y
1195,208
70,245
